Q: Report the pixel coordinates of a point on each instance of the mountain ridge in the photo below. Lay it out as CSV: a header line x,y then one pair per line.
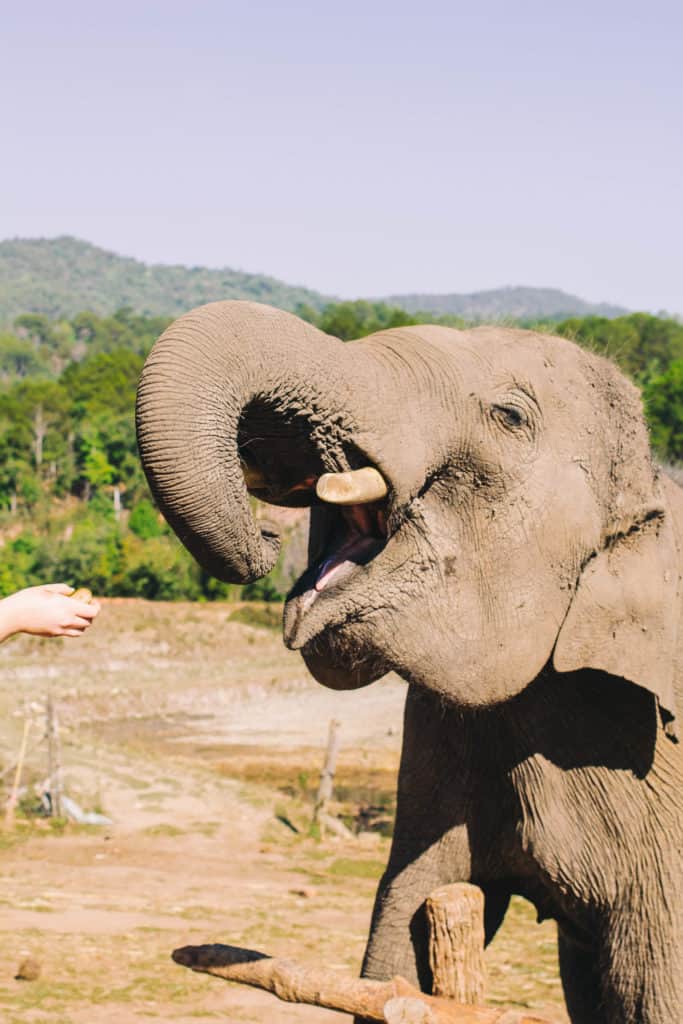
x,y
62,276
511,301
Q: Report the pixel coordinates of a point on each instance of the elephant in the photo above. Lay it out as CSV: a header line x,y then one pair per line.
x,y
487,521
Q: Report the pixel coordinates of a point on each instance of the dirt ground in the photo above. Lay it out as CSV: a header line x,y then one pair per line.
x,y
202,739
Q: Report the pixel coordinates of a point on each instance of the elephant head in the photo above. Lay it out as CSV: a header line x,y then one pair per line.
x,y
482,501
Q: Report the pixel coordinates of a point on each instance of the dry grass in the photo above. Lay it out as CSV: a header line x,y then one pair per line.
x,y
194,731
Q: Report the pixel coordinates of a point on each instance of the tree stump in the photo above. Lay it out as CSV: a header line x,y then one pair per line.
x,y
456,942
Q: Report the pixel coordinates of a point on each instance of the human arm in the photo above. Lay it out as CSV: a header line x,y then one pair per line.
x,y
46,611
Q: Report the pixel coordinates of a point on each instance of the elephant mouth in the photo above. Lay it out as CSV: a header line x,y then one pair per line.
x,y
349,539
352,507
355,535
344,540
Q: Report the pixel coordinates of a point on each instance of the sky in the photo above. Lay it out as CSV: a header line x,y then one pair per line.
x,y
359,148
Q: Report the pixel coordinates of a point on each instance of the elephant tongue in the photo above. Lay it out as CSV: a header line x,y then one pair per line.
x,y
353,552
360,544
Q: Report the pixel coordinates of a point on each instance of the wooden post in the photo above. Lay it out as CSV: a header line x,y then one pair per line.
x,y
12,802
54,759
456,942
329,768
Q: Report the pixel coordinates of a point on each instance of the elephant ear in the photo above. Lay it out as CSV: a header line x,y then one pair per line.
x,y
623,618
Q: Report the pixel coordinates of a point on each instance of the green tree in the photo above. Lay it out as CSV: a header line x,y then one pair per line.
x,y
664,407
92,556
638,342
124,330
159,569
104,382
35,326
347,320
19,358
144,520
18,563
102,390
34,425
96,469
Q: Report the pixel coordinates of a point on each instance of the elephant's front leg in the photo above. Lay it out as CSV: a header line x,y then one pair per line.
x,y
398,942
430,846
642,969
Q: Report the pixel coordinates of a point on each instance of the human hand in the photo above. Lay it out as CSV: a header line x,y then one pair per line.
x,y
46,611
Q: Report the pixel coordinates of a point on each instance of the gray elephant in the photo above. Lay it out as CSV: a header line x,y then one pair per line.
x,y
486,521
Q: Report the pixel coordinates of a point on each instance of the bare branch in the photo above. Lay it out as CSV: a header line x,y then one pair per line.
x,y
317,986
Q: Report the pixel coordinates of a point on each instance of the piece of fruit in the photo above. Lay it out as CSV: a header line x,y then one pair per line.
x,y
82,594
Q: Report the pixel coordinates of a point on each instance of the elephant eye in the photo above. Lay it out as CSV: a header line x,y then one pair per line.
x,y
510,416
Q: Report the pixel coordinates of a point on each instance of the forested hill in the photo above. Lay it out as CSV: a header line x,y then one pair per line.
x,y
60,277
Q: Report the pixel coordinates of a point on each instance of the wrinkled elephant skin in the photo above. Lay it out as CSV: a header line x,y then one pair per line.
x,y
487,522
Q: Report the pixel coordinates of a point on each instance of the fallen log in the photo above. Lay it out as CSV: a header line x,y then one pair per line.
x,y
382,1001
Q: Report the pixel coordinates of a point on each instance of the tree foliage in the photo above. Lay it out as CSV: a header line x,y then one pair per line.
x,y
641,344
663,395
348,320
74,503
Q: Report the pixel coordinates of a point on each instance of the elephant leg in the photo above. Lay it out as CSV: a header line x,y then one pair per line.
x,y
581,982
496,902
642,971
398,941
399,933
632,976
430,846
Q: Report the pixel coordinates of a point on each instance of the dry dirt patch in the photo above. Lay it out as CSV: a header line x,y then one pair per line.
x,y
193,732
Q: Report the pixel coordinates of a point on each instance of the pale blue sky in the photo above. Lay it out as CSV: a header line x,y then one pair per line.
x,y
358,148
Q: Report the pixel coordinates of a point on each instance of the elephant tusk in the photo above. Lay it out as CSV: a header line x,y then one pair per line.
x,y
357,487
253,478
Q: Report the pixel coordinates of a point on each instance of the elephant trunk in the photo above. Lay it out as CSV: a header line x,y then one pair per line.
x,y
237,390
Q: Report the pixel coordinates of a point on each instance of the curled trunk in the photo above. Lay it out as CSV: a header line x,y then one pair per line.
x,y
237,389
